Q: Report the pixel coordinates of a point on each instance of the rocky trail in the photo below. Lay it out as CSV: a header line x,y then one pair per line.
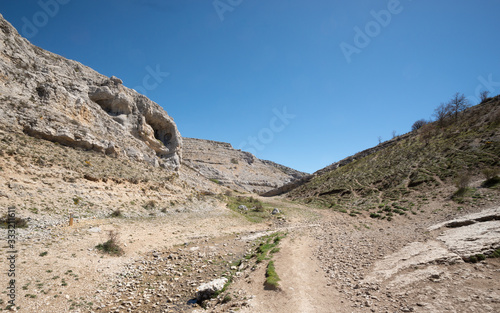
x,y
326,263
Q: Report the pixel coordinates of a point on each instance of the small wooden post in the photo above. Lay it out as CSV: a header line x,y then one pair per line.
x,y
71,219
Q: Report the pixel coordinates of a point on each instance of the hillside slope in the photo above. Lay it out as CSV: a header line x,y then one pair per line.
x,y
235,169
435,158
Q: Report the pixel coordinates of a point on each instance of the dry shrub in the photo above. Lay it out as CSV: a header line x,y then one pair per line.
x,y
463,180
490,173
111,246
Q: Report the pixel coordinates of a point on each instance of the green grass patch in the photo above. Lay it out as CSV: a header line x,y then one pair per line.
x,y
215,181
272,278
495,254
257,212
268,245
476,258
462,193
275,250
236,263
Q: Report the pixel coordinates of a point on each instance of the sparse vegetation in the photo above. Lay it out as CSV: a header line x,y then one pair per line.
x,y
111,246
215,181
495,254
441,153
272,278
116,213
18,222
476,258
418,124
76,200
226,299
257,211
269,243
492,179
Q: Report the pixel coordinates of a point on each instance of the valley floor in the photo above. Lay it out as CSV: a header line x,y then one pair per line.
x,y
327,262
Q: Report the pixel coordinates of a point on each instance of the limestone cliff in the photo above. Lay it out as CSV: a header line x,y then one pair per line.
x,y
236,169
47,96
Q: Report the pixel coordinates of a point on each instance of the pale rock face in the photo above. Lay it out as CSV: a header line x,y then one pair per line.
x,y
50,97
235,169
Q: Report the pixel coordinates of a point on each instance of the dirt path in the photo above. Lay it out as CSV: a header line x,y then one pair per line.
x,y
303,285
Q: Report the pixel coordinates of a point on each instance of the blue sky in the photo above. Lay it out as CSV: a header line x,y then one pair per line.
x,y
301,83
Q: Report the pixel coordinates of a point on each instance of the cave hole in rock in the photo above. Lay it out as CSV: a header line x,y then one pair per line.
x,y
162,131
163,135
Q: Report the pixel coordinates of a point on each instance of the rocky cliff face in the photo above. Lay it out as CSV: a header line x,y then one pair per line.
x,y
47,96
235,169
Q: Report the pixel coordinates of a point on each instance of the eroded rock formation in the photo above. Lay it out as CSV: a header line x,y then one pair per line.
x,y
50,97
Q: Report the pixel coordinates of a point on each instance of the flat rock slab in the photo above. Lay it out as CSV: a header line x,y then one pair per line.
x,y
483,216
412,255
477,233
478,238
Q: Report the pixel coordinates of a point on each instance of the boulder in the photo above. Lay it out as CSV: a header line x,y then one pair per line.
x,y
207,290
275,211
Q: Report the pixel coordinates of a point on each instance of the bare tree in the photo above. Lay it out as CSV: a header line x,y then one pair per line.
x,y
427,132
442,112
484,95
418,124
379,139
458,104
394,134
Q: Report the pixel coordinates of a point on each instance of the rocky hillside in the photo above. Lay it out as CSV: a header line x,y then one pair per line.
x,y
235,169
440,157
47,96
307,178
